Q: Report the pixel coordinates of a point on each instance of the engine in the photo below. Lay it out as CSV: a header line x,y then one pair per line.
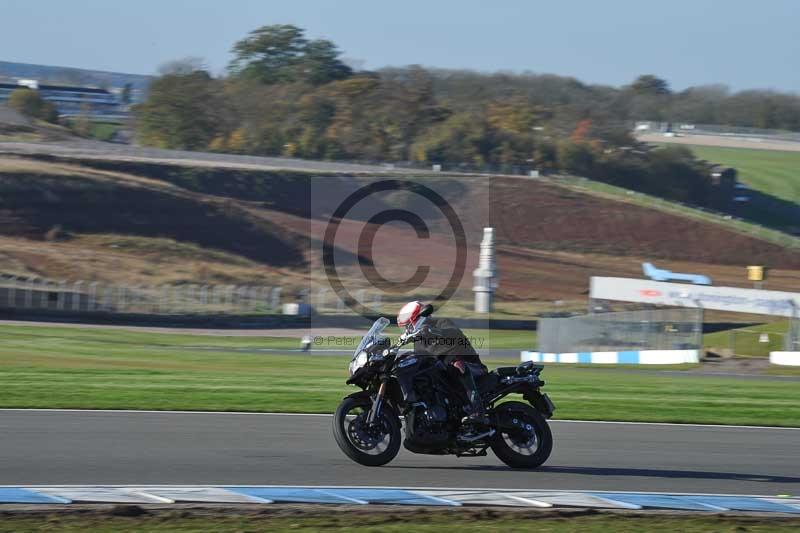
x,y
426,426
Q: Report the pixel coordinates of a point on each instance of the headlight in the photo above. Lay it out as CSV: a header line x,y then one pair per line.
x,y
359,361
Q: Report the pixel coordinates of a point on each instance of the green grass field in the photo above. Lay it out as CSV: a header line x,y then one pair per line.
x,y
747,341
769,171
482,338
110,369
101,131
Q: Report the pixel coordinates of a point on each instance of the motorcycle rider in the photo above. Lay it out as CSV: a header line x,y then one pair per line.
x,y
440,337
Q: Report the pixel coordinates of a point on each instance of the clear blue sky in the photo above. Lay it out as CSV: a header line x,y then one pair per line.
x,y
741,43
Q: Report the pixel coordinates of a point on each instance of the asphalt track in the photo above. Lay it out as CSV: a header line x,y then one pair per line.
x,y
88,149
107,447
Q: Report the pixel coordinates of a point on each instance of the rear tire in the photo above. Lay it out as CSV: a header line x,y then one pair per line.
x,y
523,451
357,442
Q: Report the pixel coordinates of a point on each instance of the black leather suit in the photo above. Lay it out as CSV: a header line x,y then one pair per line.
x,y
441,338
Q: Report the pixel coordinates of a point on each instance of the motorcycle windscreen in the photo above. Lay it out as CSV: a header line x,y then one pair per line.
x,y
374,334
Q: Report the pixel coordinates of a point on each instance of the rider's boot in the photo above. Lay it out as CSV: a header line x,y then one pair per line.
x,y
476,413
475,425
476,420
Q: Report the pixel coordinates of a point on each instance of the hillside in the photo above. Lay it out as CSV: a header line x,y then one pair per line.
x,y
540,215
533,213
15,127
67,204
152,223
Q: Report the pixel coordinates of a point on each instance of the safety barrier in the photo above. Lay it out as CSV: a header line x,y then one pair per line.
x,y
641,357
785,358
643,329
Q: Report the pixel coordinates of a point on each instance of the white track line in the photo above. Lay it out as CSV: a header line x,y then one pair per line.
x,y
384,487
724,426
157,411
567,421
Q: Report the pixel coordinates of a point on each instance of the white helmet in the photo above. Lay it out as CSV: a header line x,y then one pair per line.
x,y
409,314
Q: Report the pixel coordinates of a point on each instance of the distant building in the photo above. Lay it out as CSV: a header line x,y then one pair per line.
x,y
78,77
69,100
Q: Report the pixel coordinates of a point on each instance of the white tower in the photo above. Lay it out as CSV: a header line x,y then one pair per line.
x,y
486,274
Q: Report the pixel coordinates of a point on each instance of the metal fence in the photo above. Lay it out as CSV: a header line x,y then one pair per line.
x,y
655,329
755,343
93,296
792,343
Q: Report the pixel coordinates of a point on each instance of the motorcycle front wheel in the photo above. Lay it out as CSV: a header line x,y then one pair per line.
x,y
531,446
368,445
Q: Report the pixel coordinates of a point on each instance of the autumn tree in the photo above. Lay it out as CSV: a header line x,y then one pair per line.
x,y
183,111
285,94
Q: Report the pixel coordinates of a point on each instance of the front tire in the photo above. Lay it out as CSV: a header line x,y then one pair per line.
x,y
524,449
367,446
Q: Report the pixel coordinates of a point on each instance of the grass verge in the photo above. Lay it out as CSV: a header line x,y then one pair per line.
x,y
752,341
47,335
108,369
769,171
605,190
387,520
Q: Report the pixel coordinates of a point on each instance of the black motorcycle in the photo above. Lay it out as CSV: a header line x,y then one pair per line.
x,y
367,424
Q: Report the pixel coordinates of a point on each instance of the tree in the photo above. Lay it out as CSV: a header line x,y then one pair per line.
x,y
30,103
649,84
515,116
699,105
320,63
545,156
182,67
462,138
281,53
267,114
677,174
576,158
183,111
581,131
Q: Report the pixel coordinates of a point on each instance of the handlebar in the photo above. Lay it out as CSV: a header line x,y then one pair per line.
x,y
407,337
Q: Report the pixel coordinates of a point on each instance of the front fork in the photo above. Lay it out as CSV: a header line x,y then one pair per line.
x,y
375,411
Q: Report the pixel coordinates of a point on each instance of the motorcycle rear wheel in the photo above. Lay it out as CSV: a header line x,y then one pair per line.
x,y
527,450
368,446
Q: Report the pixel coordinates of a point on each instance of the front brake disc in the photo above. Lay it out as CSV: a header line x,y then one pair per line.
x,y
360,436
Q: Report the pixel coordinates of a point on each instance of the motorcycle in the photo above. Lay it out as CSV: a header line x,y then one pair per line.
x,y
367,424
